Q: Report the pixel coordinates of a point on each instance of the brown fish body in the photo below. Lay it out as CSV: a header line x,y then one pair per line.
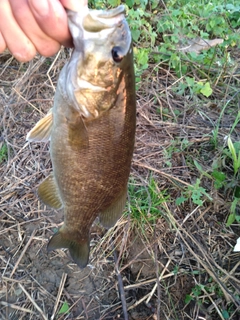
x,y
91,153
93,174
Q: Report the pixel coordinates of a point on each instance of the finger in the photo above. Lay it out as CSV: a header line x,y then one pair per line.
x,y
52,19
16,41
74,5
45,45
3,45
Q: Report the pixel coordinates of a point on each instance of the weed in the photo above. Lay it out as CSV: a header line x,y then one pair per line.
x,y
221,180
230,157
235,154
3,153
146,202
157,36
194,192
194,87
64,308
209,289
215,131
233,216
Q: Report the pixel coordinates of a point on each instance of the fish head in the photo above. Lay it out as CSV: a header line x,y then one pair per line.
x,y
102,52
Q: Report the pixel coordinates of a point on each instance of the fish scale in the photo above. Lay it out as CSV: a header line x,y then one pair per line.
x,y
91,130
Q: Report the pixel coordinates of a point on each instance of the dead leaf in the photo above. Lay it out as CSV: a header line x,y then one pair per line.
x,y
198,44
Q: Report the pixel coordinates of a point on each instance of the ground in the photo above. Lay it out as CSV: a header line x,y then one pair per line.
x,y
175,261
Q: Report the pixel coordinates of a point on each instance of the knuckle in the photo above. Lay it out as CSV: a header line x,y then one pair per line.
x,y
18,9
50,49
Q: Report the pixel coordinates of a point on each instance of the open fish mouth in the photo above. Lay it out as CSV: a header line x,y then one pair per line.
x,y
96,20
102,41
93,23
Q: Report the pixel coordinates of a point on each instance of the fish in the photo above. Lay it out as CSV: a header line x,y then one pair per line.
x,y
91,129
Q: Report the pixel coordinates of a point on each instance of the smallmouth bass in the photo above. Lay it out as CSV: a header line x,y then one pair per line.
x,y
91,128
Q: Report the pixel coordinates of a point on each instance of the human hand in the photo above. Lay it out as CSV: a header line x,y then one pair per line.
x,y
30,26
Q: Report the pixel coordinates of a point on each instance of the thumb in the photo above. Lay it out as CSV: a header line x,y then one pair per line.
x,y
52,19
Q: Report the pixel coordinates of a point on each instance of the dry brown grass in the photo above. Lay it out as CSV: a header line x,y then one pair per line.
x,y
158,264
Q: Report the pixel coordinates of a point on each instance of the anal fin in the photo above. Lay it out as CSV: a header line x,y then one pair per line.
x,y
48,192
109,216
41,132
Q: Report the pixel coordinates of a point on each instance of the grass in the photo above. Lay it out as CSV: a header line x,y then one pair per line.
x,y
175,240
146,202
3,153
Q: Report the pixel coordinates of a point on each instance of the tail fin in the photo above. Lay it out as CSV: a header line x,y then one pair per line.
x,y
79,251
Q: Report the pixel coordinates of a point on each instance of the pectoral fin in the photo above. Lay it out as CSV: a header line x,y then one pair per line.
x,y
110,216
79,250
77,132
48,192
41,132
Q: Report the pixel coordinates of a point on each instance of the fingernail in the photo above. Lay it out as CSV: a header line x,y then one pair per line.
x,y
74,5
41,7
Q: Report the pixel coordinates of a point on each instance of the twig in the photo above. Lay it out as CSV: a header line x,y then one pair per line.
x,y
27,101
23,252
54,61
33,302
214,303
13,306
157,280
168,176
84,309
61,286
207,263
138,302
120,284
140,284
156,284
149,295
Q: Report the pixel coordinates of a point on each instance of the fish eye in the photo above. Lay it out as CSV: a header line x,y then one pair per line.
x,y
117,54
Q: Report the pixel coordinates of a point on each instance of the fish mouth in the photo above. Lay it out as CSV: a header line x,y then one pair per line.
x,y
98,20
95,33
88,23
111,13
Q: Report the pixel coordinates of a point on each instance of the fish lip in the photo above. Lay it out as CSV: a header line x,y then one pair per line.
x,y
108,19
112,12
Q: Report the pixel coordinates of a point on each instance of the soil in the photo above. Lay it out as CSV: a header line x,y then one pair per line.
x,y
159,268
